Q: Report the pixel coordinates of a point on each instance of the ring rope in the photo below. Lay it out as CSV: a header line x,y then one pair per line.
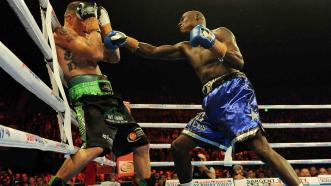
x,y
194,107
308,161
273,145
31,26
56,71
14,138
22,74
265,125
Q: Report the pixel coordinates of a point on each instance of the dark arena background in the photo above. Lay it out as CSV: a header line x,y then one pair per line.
x,y
286,46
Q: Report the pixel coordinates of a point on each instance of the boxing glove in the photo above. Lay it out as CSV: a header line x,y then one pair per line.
x,y
104,21
200,35
115,39
86,10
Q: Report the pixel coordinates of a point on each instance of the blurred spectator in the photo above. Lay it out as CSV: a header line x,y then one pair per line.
x,y
260,174
40,181
162,180
226,173
32,181
203,171
25,179
305,173
251,173
329,171
322,171
313,171
297,171
238,172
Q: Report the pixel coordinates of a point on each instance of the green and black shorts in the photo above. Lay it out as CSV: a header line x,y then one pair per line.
x,y
103,119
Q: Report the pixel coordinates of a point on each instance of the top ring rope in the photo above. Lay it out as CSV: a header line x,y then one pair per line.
x,y
31,26
196,107
265,125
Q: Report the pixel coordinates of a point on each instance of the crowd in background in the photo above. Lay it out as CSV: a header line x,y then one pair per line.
x,y
45,125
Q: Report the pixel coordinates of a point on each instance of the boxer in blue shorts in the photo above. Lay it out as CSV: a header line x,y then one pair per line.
x,y
230,111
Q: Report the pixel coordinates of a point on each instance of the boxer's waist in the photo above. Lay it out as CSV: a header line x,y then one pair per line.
x,y
89,84
212,84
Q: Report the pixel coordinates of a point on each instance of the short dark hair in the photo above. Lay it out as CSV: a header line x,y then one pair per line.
x,y
71,7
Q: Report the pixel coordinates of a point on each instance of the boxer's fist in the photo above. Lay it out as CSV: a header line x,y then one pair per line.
x,y
86,10
200,35
115,39
104,21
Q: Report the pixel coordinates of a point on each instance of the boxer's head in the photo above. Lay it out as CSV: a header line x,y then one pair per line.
x,y
70,17
190,19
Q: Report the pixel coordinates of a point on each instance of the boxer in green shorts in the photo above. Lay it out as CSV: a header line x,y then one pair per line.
x,y
105,124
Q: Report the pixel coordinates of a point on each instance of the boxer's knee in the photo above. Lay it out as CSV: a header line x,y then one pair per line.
x,y
178,149
261,148
142,150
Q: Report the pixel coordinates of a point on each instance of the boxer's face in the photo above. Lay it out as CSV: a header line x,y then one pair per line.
x,y
187,22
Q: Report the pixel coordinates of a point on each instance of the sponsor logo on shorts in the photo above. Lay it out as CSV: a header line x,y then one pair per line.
x,y
108,138
198,126
106,87
254,115
115,118
135,135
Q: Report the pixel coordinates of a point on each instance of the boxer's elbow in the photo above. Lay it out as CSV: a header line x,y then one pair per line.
x,y
94,55
112,56
113,59
240,63
234,60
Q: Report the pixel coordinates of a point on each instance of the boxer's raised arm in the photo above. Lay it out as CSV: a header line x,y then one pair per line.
x,y
110,56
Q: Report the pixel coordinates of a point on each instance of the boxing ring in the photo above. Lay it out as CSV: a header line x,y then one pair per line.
x,y
55,97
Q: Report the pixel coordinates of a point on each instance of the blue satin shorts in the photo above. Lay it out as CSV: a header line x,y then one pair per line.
x,y
230,114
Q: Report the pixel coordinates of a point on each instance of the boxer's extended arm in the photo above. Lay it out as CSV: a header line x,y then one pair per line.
x,y
117,39
89,47
163,52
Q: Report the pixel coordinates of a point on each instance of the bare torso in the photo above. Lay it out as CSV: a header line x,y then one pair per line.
x,y
73,58
206,65
72,66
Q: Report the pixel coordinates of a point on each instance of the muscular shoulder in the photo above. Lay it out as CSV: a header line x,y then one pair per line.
x,y
63,36
223,34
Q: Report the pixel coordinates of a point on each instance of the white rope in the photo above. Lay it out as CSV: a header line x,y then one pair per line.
x,y
195,107
31,26
197,163
15,138
273,145
265,125
22,74
67,113
54,20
